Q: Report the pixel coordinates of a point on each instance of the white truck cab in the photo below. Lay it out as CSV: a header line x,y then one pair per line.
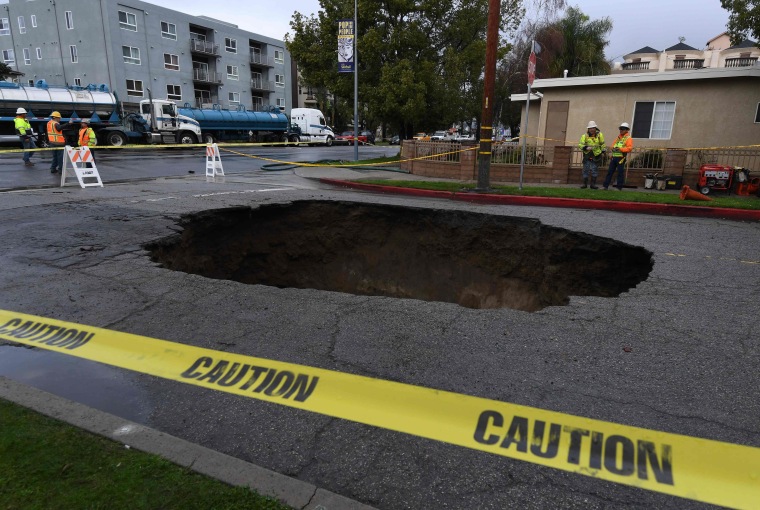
x,y
314,129
166,124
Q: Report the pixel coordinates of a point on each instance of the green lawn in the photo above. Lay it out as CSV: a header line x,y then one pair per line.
x,y
645,196
46,464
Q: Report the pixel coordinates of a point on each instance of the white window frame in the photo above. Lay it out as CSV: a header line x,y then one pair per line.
x,y
21,25
230,45
281,103
134,55
133,91
27,57
9,57
5,26
279,56
757,114
174,92
126,25
39,53
78,82
73,53
232,72
33,19
666,113
31,83
279,80
173,62
234,98
168,33
69,20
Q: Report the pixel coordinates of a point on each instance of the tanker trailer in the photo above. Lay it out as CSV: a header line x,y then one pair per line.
x,y
241,125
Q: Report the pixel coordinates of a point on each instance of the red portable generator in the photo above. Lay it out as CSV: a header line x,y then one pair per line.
x,y
715,178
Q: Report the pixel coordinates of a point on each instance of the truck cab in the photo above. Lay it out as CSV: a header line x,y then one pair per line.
x,y
167,126
314,129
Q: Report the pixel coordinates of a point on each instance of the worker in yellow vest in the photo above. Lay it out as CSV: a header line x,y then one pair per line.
x,y
620,148
56,139
592,146
25,134
87,138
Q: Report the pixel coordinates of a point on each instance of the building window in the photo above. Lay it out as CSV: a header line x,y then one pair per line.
x,y
34,20
131,55
5,27
757,114
230,45
168,30
232,73
171,62
279,80
9,57
127,21
234,98
69,20
279,56
31,83
73,53
21,25
39,53
78,82
135,88
281,103
653,119
174,92
27,57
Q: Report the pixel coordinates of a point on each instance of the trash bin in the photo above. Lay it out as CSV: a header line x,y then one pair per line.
x,y
649,181
661,184
673,182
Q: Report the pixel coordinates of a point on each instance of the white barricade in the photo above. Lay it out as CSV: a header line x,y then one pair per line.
x,y
213,161
79,158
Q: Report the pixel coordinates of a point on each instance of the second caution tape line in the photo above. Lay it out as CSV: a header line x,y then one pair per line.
x,y
694,468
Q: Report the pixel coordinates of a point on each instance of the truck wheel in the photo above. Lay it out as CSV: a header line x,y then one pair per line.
x,y
329,141
208,139
116,138
186,137
294,139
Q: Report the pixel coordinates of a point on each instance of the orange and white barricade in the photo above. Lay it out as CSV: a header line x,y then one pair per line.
x,y
213,161
80,160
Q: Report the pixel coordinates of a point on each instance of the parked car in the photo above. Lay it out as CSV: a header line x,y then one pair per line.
x,y
438,135
347,138
422,136
369,135
394,140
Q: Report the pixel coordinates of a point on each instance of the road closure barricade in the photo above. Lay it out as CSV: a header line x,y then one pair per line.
x,y
82,163
213,161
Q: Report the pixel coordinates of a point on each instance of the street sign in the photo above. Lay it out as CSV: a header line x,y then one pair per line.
x,y
531,68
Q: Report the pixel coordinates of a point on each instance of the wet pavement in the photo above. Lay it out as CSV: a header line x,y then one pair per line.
x,y
677,353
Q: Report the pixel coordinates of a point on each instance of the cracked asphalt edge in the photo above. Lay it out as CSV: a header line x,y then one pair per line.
x,y
230,470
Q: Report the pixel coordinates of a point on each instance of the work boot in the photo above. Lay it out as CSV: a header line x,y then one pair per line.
x,y
585,184
28,163
593,183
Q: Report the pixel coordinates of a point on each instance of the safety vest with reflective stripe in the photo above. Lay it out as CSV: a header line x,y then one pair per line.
x,y
594,143
623,143
87,137
54,133
22,126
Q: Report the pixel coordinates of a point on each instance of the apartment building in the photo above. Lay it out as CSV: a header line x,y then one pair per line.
x,y
135,47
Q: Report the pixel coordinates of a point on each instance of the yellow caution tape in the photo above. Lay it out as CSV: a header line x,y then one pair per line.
x,y
693,468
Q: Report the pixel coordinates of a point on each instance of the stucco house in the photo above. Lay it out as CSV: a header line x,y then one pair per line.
x,y
679,97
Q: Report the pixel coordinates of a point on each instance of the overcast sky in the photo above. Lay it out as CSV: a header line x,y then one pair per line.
x,y
655,23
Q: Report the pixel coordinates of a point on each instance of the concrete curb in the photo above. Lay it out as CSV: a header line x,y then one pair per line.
x,y
202,460
575,203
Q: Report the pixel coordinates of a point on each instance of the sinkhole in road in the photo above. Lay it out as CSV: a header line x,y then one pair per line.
x,y
472,259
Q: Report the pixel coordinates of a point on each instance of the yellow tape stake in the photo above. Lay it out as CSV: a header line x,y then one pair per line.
x,y
693,468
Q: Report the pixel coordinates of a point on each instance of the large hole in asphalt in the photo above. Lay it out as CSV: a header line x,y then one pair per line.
x,y
475,260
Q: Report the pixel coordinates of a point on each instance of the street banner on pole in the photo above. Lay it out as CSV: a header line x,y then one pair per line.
x,y
346,46
531,68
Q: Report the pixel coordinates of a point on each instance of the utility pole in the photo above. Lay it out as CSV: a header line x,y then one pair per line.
x,y
486,118
356,82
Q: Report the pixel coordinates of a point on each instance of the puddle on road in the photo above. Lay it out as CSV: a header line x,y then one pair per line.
x,y
475,260
92,384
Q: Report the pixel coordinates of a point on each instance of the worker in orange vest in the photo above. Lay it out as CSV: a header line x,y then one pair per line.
x,y
56,139
87,138
620,148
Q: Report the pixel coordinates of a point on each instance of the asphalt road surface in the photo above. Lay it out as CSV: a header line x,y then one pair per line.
x,y
678,353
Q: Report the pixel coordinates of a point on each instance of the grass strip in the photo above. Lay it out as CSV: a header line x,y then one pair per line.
x,y
47,464
650,197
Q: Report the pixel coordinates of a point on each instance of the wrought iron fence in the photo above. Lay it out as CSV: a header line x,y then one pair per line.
x,y
510,153
639,157
447,152
745,158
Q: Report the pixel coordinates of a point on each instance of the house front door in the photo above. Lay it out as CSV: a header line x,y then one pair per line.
x,y
556,127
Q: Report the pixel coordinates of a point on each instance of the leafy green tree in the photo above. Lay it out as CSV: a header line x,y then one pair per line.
x,y
5,71
743,19
420,61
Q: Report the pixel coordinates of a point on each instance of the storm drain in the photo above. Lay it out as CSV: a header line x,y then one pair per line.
x,y
474,260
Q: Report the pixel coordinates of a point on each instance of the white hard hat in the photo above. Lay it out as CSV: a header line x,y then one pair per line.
x,y
625,125
591,124
20,111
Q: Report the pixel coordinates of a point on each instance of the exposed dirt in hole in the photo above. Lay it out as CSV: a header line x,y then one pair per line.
x,y
475,260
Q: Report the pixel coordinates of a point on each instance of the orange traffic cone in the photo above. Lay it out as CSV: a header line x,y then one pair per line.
x,y
689,194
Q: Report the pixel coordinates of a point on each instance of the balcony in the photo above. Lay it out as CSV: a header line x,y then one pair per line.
x,y
741,62
260,60
262,85
204,76
204,47
310,100
635,66
689,63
